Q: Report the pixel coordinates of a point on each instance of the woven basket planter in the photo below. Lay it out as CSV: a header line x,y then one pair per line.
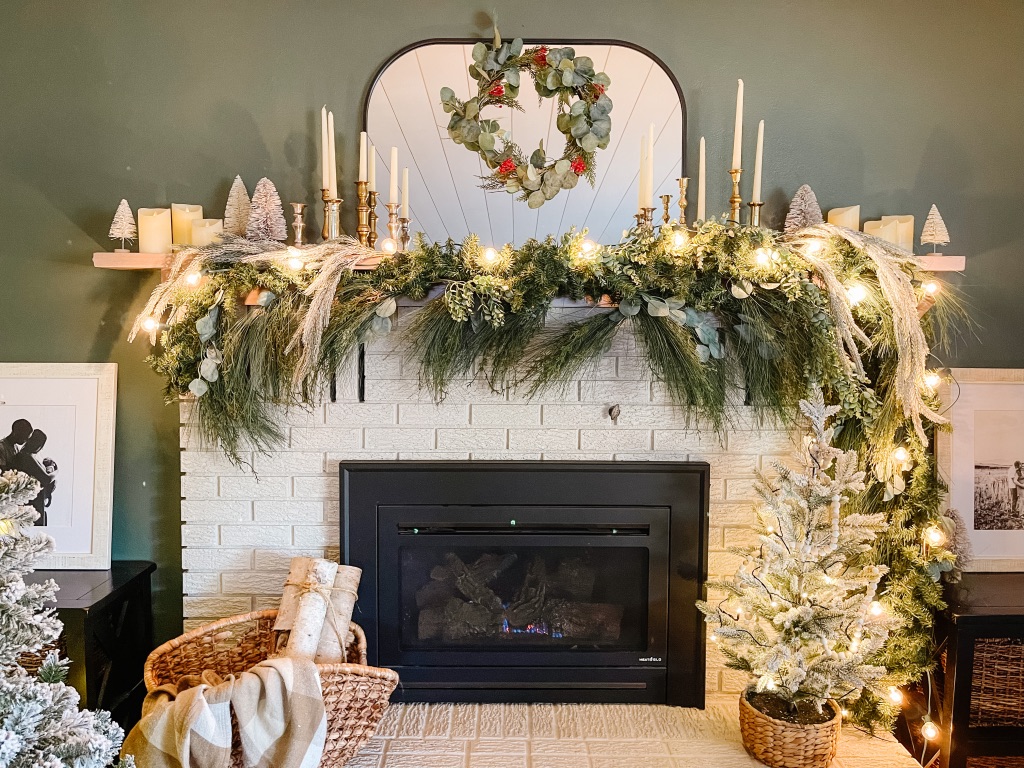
x,y
789,745
355,695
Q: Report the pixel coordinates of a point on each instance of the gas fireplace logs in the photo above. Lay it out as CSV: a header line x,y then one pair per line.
x,y
458,603
316,609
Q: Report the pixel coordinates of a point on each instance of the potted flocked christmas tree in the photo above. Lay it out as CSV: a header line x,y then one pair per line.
x,y
802,615
40,723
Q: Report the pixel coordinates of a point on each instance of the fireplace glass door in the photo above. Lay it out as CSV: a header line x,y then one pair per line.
x,y
522,586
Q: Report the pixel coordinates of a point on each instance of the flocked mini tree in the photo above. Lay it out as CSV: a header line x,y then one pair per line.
x,y
802,615
266,215
934,232
40,723
804,211
123,226
236,212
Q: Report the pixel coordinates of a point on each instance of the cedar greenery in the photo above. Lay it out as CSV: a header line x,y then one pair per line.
x,y
720,313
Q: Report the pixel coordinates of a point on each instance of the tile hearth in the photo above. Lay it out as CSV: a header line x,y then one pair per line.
x,y
585,736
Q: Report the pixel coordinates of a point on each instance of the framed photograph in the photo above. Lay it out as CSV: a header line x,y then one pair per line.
x,y
982,461
57,425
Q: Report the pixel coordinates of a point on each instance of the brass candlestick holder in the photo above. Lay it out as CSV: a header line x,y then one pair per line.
x,y
684,185
403,233
755,214
736,201
298,223
666,200
363,213
371,237
332,215
645,218
394,228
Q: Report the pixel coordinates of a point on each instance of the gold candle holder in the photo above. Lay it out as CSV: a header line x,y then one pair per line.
x,y
332,216
403,233
393,226
684,185
666,200
371,237
736,201
755,214
298,223
362,212
645,218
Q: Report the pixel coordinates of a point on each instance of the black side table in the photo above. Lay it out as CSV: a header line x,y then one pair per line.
x,y
983,704
108,633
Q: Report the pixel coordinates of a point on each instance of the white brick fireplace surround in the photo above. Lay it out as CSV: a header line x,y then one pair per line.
x,y
239,532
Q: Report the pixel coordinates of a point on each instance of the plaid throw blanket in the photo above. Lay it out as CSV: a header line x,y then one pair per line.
x,y
278,705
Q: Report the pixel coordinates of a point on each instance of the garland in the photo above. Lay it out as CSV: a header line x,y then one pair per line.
x,y
583,117
714,310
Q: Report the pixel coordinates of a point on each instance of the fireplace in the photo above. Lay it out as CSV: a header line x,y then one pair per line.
x,y
531,581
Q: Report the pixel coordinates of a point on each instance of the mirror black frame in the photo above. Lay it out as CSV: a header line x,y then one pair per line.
x,y
535,41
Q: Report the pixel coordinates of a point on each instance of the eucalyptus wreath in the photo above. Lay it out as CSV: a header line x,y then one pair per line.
x,y
583,117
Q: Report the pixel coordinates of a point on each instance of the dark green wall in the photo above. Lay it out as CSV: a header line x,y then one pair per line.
x,y
893,105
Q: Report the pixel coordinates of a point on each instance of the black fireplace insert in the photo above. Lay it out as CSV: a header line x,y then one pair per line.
x,y
531,581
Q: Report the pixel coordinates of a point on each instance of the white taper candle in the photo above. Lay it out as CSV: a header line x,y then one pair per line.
x,y
737,137
701,183
757,163
325,174
362,156
333,167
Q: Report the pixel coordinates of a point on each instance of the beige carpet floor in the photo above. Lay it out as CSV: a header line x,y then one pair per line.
x,y
584,736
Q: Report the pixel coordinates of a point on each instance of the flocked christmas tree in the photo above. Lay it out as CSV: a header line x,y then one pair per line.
x,y
40,723
236,213
934,232
804,211
802,615
266,215
123,226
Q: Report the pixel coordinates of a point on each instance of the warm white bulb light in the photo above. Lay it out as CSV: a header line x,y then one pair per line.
x,y
193,278
770,685
930,730
931,288
763,257
150,324
679,239
844,712
389,245
876,608
813,247
932,380
856,293
934,536
714,638
587,247
296,264
490,255
901,454
895,695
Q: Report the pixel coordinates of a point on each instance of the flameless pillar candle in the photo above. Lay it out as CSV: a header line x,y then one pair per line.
x,y
362,156
371,169
205,231
333,168
182,216
848,217
393,181
904,231
154,230
325,152
887,230
405,193
737,137
757,163
701,183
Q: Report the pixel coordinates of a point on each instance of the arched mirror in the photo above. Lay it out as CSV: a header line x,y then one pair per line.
x,y
404,110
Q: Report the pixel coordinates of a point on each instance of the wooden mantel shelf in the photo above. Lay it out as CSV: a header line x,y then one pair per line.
x,y
932,262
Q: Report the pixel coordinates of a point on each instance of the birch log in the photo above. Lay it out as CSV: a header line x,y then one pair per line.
x,y
290,595
312,610
334,637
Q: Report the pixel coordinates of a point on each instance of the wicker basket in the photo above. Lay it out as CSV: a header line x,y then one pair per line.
x,y
355,695
788,745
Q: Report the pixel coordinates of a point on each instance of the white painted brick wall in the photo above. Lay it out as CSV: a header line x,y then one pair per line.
x,y
239,532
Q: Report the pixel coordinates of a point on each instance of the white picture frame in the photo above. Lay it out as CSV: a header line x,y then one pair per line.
x,y
64,413
985,407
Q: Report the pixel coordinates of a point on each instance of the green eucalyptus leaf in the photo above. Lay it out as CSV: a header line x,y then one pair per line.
x,y
209,370
742,289
517,47
562,166
266,298
615,316
579,127
472,108
706,334
536,199
657,308
567,79
447,94
512,78
629,307
207,326
602,79
563,121
198,387
601,128
387,307
703,352
553,80
578,108
479,52
538,158
570,180
486,141
589,143
503,52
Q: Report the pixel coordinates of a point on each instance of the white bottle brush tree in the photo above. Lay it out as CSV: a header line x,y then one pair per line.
x,y
123,226
236,213
802,615
934,232
40,723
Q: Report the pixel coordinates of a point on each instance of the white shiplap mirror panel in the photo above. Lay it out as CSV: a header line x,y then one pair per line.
x,y
404,111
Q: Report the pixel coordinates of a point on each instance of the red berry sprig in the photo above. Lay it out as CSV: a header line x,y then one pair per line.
x,y
508,165
497,91
540,58
579,166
